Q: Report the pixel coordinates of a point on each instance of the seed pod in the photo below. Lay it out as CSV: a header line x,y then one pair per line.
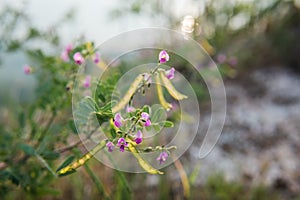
x,y
160,95
124,101
171,89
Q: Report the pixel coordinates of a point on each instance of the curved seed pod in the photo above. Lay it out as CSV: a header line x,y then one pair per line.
x,y
78,163
160,95
146,166
124,101
171,89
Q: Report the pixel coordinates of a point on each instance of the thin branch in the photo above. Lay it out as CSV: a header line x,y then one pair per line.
x,y
41,136
78,143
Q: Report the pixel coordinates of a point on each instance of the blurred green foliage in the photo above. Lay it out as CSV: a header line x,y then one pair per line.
x,y
256,32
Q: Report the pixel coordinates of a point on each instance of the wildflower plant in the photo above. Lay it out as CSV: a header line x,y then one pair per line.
x,y
72,102
123,124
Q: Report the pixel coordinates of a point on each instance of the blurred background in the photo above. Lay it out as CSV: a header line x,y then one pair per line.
x,y
256,46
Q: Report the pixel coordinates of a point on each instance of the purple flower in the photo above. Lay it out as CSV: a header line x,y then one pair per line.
x,y
68,48
122,144
118,120
145,115
139,137
87,82
232,61
146,118
110,146
96,58
65,53
78,58
27,69
148,122
163,56
221,58
162,157
64,56
170,73
130,109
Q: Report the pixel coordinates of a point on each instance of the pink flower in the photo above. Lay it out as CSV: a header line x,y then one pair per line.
x,y
162,157
122,144
27,69
130,109
118,120
232,61
148,122
221,58
65,54
163,56
170,73
145,117
87,82
139,137
78,58
69,48
96,58
110,146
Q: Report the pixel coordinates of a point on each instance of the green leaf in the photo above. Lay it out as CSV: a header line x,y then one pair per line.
x,y
13,45
84,109
146,109
8,175
72,126
167,124
22,119
50,155
28,150
68,161
148,128
156,127
47,191
33,33
45,163
104,113
158,115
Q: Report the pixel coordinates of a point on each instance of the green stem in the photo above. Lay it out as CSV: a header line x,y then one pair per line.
x,y
120,174
97,181
48,125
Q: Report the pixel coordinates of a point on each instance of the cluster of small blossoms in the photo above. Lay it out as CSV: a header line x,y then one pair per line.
x,y
78,57
163,58
143,119
118,123
223,59
121,143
